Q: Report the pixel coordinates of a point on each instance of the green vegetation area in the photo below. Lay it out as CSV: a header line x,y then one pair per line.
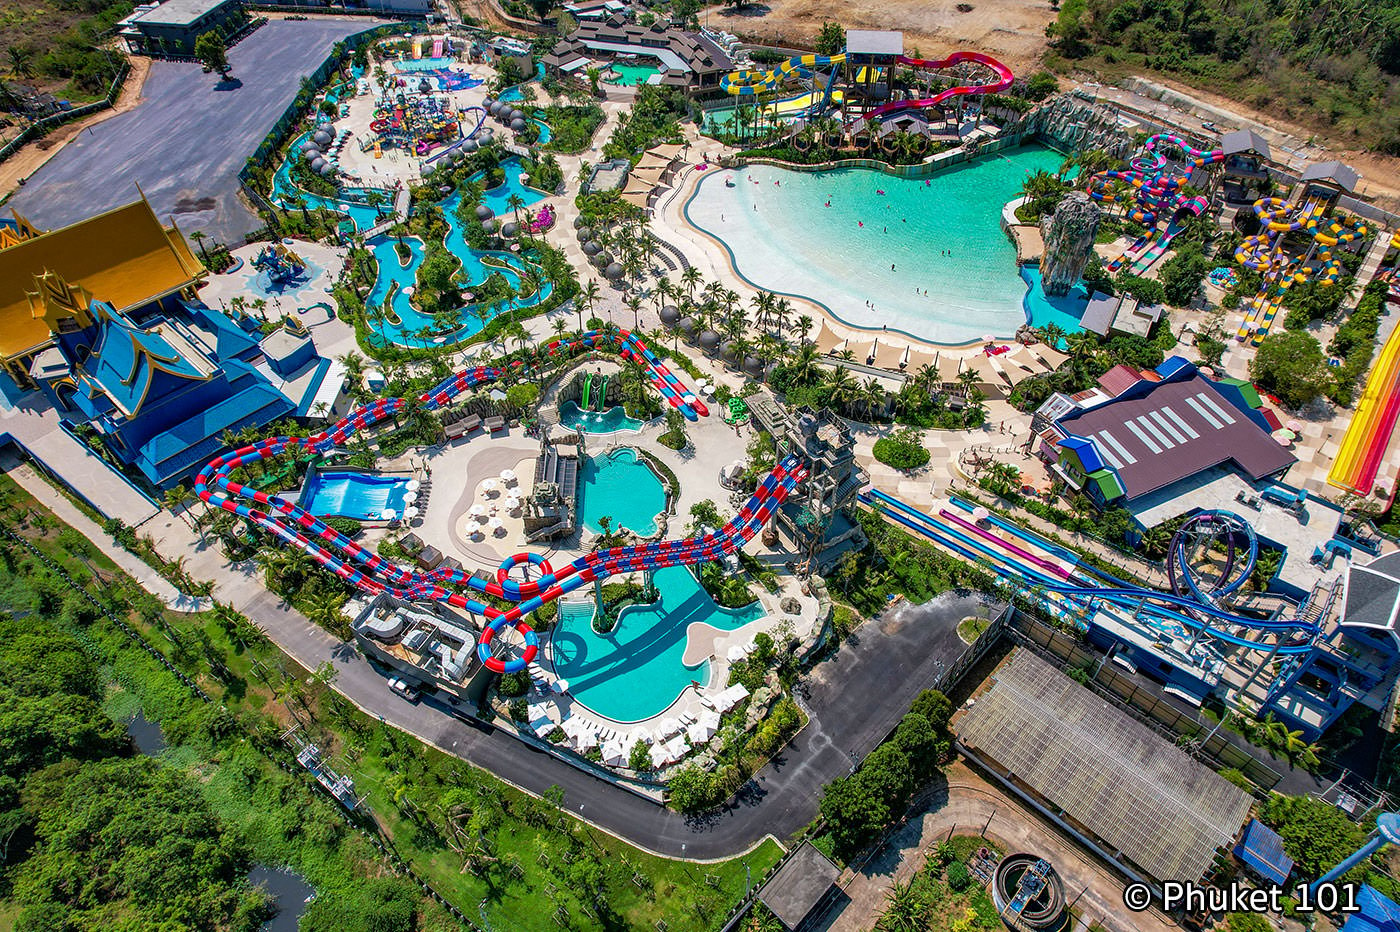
x,y
572,127
856,808
97,836
1333,67
654,118
1317,835
52,45
1291,364
902,449
944,896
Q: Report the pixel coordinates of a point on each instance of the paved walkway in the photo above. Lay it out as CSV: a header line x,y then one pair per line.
x,y
129,563
964,803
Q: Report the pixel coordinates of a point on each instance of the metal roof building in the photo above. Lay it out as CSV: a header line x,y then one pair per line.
x,y
1111,777
1157,433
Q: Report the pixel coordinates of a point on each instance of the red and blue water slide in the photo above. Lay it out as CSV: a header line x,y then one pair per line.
x,y
1023,568
1004,80
373,574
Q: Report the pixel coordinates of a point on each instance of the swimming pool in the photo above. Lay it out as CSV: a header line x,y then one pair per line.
x,y
1043,309
621,487
352,494
883,239
632,75
635,671
597,422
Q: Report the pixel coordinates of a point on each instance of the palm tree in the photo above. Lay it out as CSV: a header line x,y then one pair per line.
x,y
587,297
690,278
804,327
905,910
1082,345
967,379
559,327
1051,334
20,58
176,499
841,388
873,397
634,304
199,236
804,366
662,292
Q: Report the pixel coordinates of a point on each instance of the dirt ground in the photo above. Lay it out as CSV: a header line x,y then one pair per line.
x,y
1011,30
1380,173
27,160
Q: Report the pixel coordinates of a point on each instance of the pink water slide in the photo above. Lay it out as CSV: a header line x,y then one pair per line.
x,y
1003,82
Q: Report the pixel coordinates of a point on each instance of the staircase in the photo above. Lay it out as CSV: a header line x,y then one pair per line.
x,y
1368,269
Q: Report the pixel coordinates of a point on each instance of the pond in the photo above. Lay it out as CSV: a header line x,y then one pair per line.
x,y
290,892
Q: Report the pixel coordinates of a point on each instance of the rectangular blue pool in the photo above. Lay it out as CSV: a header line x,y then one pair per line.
x,y
362,496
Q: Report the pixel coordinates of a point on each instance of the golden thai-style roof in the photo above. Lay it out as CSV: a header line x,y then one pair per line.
x,y
125,257
21,231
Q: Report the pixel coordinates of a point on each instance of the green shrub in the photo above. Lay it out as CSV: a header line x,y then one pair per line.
x,y
902,450
959,877
513,685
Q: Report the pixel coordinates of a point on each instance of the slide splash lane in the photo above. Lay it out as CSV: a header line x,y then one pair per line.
x,y
1363,447
1070,587
373,574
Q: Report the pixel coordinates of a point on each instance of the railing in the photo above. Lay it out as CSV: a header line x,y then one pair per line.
x,y
42,125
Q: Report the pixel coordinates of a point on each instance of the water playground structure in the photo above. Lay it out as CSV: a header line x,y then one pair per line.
x,y
374,574
1295,244
816,77
277,265
1157,189
417,125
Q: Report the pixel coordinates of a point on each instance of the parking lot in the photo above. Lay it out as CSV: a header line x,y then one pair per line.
x,y
184,144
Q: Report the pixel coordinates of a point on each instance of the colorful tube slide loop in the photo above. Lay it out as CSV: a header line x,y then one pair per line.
x,y
485,652
751,83
1003,79
373,574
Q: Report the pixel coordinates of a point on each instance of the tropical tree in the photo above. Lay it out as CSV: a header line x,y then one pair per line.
x,y
587,298
210,51
842,389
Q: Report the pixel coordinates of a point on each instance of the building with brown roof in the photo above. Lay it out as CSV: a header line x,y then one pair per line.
x,y
686,59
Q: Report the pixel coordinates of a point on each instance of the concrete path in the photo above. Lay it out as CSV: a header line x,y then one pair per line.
x,y
130,564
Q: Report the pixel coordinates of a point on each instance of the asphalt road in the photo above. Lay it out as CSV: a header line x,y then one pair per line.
x,y
184,144
854,699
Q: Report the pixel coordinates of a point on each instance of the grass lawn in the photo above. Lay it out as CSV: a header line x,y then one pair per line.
x,y
971,628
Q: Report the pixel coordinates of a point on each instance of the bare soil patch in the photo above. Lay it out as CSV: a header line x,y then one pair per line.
x,y
1011,30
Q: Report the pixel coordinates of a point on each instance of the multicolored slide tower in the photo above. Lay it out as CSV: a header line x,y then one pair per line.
x,y
1157,189
373,574
1266,254
758,82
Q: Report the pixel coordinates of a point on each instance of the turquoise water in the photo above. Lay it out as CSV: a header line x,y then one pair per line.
x,y
632,75
474,270
352,495
622,487
1043,309
597,422
783,237
424,64
635,671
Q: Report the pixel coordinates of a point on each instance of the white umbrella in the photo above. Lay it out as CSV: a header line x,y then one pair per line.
x,y
410,513
710,720
477,510
700,732
658,755
560,686
512,502
410,497
507,476
677,748
495,524
980,513
668,727
585,738
737,652
413,485
489,486
388,514
615,753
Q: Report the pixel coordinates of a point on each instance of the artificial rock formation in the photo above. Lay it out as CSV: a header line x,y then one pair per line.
x,y
1069,241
